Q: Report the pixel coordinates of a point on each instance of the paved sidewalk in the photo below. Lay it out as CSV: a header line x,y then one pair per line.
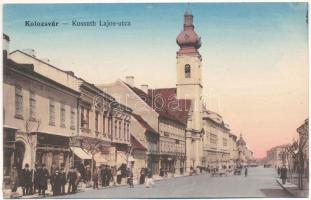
x,y
293,190
7,192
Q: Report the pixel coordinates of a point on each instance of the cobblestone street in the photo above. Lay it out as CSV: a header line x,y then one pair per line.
x,y
261,182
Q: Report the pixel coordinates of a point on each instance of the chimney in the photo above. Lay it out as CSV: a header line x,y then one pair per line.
x,y
6,45
144,88
130,80
30,52
46,60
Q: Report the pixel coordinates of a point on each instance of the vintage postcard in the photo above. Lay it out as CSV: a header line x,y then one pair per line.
x,y
155,100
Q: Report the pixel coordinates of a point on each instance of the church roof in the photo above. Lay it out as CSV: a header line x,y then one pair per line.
x,y
179,108
162,100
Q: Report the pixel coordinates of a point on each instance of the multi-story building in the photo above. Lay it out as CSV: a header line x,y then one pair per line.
x,y
144,143
92,125
303,153
104,126
275,156
170,154
233,149
217,145
246,156
40,116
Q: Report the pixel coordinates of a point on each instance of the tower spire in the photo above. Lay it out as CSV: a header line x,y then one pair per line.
x,y
188,40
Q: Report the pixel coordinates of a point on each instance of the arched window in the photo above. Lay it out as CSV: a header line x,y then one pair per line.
x,y
187,71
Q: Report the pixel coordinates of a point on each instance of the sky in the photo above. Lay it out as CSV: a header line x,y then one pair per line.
x,y
255,55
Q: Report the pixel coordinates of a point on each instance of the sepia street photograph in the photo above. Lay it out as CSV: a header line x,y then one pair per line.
x,y
155,100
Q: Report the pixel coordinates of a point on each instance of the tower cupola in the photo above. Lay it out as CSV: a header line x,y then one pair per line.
x,y
188,40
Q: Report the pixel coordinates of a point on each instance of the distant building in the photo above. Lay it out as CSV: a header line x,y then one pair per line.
x,y
216,141
275,156
246,156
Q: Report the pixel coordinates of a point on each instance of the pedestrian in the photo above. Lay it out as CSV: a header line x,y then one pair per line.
x,y
78,180
63,179
130,177
142,176
14,180
279,171
88,175
149,181
108,176
161,172
245,171
35,179
71,177
26,180
95,179
43,175
283,174
56,182
114,174
173,171
119,176
104,175
191,171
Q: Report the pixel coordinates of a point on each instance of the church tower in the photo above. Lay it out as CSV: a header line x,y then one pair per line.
x,y
189,67
189,86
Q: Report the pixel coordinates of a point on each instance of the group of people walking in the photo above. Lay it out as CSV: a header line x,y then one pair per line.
x,y
36,180
33,181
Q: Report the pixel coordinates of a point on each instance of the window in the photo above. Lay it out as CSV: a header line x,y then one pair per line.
x,y
62,115
224,141
120,130
52,112
104,124
96,120
128,132
187,71
109,126
32,105
115,128
18,102
213,138
84,117
72,118
124,131
87,118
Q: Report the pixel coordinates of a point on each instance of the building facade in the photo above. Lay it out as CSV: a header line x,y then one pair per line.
x,y
275,156
39,117
95,126
170,154
217,145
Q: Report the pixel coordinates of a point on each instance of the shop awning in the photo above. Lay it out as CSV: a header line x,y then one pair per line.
x,y
10,127
81,153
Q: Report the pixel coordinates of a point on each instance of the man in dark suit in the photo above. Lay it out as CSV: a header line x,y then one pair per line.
x,y
26,179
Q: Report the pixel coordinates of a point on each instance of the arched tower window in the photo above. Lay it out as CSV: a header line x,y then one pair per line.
x,y
187,71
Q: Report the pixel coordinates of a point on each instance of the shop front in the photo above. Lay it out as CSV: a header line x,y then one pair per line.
x,y
9,152
53,151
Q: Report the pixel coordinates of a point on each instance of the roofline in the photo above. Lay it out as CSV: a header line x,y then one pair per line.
x,y
44,62
21,68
